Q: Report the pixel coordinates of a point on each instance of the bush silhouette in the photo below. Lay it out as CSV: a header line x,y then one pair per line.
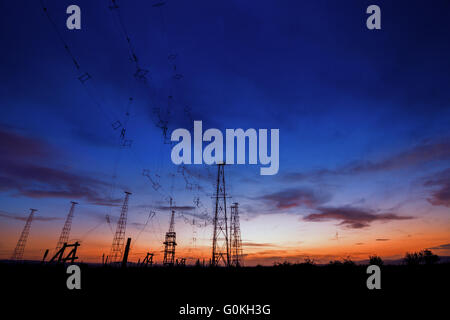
x,y
421,257
429,257
376,260
309,261
335,263
349,262
413,258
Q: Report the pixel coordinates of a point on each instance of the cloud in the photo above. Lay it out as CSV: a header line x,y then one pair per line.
x,y
180,208
294,197
23,174
426,152
441,196
24,218
257,244
35,181
92,137
200,173
354,218
382,239
185,211
102,201
268,257
419,154
445,246
137,225
14,146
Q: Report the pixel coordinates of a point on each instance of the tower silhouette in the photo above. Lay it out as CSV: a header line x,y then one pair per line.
x,y
20,247
170,240
119,236
64,237
235,237
220,245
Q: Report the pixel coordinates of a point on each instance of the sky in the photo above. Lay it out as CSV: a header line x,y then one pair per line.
x,y
363,116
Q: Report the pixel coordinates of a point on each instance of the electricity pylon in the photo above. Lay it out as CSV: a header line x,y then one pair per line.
x,y
64,237
170,240
220,245
235,236
119,236
20,247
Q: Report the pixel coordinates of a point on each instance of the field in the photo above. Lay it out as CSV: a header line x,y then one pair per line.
x,y
288,289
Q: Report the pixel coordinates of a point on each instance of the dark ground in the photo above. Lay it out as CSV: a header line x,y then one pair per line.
x,y
292,291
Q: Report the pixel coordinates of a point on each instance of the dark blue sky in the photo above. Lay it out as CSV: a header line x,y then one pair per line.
x,y
363,115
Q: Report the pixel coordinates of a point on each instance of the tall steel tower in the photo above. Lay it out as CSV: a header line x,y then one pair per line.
x,y
220,245
64,237
235,236
119,236
170,240
20,247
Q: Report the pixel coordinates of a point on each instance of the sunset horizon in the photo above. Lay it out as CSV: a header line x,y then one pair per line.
x,y
199,159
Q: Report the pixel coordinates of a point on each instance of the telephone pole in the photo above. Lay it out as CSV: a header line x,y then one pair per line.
x,y
64,237
20,247
220,245
119,236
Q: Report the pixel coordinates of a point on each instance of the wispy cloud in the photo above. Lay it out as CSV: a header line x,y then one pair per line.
x,y
355,218
445,246
24,176
24,218
441,196
16,146
258,244
419,154
294,197
181,208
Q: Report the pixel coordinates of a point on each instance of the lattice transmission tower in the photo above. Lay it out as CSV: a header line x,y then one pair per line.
x,y
220,245
119,236
170,240
235,237
20,247
64,237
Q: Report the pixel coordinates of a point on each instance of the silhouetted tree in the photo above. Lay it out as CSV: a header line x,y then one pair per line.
x,y
309,261
421,257
413,258
348,262
429,257
282,264
376,260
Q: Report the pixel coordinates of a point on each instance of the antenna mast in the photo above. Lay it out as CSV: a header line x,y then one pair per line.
x,y
20,247
235,234
64,237
119,236
170,240
220,245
